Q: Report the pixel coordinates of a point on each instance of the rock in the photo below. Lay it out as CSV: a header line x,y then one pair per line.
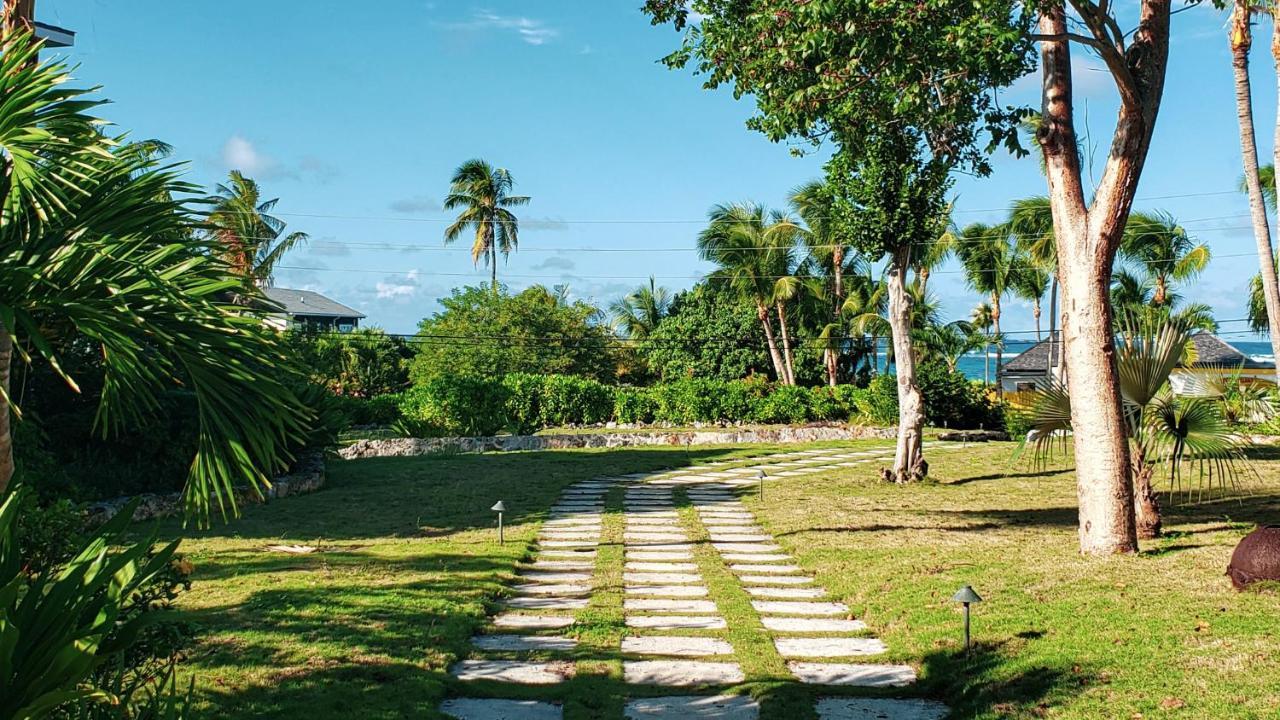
x,y
675,646
1256,558
974,436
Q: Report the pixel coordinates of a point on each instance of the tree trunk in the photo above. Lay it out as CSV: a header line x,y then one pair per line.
x,y
1053,325
1087,240
995,321
1241,39
779,369
6,431
493,267
875,353
908,463
786,345
986,362
1035,312
1145,502
837,273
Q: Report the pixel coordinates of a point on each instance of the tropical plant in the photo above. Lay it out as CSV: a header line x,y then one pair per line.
x,y
752,248
830,253
1165,430
1133,300
638,314
1031,284
248,238
980,320
483,192
950,342
1161,251
95,248
59,628
1031,224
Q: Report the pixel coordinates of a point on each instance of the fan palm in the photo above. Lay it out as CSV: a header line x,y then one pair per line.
x,y
483,192
752,248
249,239
638,314
1164,430
1163,252
95,248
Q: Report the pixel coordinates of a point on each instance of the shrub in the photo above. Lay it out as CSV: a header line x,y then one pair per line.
x,y
826,404
572,400
524,402
457,405
880,401
786,404
950,400
634,405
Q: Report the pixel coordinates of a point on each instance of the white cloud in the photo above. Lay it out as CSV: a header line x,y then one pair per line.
x,y
533,32
398,288
415,204
555,262
240,154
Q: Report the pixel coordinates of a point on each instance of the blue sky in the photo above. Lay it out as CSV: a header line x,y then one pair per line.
x,y
356,123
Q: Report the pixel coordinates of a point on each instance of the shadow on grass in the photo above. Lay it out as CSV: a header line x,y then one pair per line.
x,y
987,681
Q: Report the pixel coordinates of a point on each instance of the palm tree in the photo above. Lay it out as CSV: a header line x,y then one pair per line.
x,y
864,308
122,268
249,238
927,257
484,194
1133,303
950,342
742,240
814,204
1031,284
638,314
982,319
1031,223
992,265
1163,251
1241,40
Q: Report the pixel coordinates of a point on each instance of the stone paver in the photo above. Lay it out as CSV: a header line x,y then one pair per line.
x,y
661,578
776,579
677,646
786,592
756,568
828,647
546,603
680,672
671,606
856,674
821,625
561,589
755,557
494,709
676,622
659,554
513,671
522,642
879,709
661,567
717,707
783,607
532,622
679,591
554,576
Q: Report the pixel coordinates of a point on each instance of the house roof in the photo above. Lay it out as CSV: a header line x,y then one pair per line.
x,y
305,303
1035,359
1213,351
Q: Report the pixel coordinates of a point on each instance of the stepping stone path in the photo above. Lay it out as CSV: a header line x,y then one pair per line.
x,y
676,634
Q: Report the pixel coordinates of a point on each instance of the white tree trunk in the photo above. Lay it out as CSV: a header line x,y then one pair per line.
x,y
908,462
779,370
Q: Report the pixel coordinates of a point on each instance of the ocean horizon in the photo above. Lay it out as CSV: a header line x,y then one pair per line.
x,y
971,365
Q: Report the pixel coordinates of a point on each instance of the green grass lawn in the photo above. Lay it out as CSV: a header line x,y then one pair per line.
x,y
409,566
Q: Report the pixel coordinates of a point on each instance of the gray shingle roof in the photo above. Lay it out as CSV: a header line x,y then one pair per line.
x,y
1213,351
1034,359
305,303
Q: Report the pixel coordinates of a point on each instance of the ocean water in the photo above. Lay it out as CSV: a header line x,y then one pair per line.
x,y
971,364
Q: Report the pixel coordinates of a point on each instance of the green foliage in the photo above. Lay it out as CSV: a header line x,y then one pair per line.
x,y
634,406
786,404
538,401
488,335
59,628
457,405
364,363
95,245
950,400
49,535
709,333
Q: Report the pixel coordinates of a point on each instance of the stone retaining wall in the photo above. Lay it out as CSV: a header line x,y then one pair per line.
x,y
407,447
308,476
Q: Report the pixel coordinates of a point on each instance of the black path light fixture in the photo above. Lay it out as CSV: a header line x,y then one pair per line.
x,y
500,507
760,475
967,596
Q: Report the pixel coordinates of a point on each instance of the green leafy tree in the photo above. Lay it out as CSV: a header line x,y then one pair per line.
x,y
538,330
900,87
711,332
249,239
364,363
483,193
1160,249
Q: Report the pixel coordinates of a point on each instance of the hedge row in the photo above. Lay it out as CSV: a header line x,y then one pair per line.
x,y
524,403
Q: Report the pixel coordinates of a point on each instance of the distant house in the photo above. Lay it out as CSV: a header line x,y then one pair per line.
x,y
310,310
1216,360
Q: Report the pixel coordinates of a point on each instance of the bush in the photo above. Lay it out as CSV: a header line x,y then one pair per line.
x,y
786,404
879,403
634,405
572,400
950,400
458,405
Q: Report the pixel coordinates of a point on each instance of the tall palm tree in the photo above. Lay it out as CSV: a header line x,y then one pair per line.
x,y
992,265
742,241
638,313
1161,250
829,249
950,342
864,308
1031,223
927,257
483,192
249,238
981,320
1240,38
96,250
